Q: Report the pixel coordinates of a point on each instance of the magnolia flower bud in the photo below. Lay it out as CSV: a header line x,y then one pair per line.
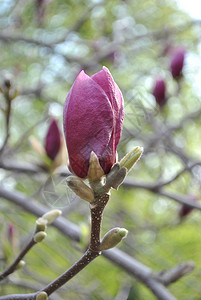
x,y
159,91
51,216
80,188
112,238
42,296
130,159
40,236
93,119
53,140
177,61
115,177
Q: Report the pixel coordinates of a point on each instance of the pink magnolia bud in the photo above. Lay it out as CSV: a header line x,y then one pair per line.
x,y
93,120
159,91
185,209
177,61
53,140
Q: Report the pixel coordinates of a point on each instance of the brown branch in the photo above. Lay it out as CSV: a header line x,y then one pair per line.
x,y
15,263
128,182
169,276
118,257
7,120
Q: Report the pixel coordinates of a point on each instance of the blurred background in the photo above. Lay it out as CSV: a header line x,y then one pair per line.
x,y
152,49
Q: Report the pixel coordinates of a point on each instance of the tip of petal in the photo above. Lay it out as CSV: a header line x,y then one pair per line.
x,y
106,70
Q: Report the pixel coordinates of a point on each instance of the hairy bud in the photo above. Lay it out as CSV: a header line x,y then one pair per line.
x,y
52,215
113,237
80,188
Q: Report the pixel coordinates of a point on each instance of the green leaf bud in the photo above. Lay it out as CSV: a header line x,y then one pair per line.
x,y
113,237
130,159
39,236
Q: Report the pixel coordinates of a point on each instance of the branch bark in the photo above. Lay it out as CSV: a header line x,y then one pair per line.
x,y
118,257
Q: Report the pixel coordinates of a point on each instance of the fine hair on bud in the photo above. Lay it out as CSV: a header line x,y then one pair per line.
x,y
52,215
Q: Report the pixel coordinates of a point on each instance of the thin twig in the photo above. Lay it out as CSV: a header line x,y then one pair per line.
x,y
8,115
15,263
120,258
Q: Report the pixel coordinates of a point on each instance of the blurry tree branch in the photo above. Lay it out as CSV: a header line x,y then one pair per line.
x,y
129,264
129,182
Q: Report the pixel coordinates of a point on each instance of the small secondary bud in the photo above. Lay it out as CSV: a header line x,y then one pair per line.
x,y
80,188
41,224
177,61
42,296
21,264
40,236
113,237
115,177
52,215
95,171
130,159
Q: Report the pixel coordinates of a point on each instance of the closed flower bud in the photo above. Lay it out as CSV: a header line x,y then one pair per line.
x,y
130,159
80,188
93,120
113,237
159,91
40,236
53,140
177,62
51,216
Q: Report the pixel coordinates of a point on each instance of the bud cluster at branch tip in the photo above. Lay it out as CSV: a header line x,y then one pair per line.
x,y
112,238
